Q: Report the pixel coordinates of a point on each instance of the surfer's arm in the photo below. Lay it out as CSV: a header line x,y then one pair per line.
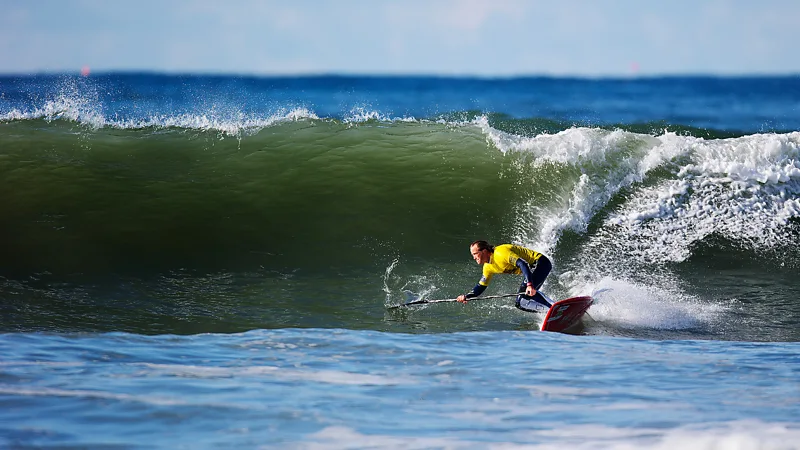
x,y
526,272
476,291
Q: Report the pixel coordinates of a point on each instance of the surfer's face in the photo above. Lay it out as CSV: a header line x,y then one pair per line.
x,y
480,256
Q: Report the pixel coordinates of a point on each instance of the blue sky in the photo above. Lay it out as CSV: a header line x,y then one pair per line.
x,y
445,37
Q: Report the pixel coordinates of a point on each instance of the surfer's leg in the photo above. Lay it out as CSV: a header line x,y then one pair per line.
x,y
521,295
539,298
537,303
540,270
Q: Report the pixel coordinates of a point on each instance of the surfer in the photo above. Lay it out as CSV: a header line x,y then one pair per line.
x,y
509,258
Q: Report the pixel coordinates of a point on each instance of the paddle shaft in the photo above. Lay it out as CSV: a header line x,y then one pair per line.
x,y
444,300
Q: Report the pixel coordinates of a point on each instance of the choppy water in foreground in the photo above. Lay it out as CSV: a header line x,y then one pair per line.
x,y
339,388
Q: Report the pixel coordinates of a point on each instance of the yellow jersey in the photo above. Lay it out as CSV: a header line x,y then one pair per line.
x,y
504,260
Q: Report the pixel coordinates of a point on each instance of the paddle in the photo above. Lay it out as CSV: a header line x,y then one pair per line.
x,y
443,300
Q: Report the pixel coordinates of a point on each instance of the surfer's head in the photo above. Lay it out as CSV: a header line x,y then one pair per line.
x,y
481,251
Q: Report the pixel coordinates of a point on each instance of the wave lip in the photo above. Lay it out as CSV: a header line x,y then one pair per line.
x,y
746,190
227,124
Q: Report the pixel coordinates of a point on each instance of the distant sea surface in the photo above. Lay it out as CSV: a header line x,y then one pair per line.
x,y
194,261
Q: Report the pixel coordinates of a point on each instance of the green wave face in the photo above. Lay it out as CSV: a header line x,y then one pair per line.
x,y
311,193
79,200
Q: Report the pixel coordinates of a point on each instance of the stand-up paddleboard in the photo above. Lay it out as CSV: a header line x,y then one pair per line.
x,y
565,314
561,316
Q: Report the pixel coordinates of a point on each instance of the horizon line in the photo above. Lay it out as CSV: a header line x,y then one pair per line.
x,y
347,74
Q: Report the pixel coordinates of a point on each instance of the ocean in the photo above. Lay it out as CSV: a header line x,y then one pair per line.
x,y
198,261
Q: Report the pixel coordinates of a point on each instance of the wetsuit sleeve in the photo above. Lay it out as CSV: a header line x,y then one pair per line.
x,y
525,268
482,284
476,291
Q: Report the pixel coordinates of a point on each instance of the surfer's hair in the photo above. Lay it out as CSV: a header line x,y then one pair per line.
x,y
483,245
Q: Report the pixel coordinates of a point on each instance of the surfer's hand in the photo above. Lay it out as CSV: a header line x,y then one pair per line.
x,y
530,291
461,298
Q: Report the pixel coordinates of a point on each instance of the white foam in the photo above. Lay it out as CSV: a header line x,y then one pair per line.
x,y
12,115
41,363
407,287
359,115
85,111
105,395
363,114
73,102
745,189
82,105
387,276
605,162
70,105
231,124
739,435
637,305
315,375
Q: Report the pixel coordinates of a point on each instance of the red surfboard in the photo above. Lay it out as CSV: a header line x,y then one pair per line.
x,y
565,314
